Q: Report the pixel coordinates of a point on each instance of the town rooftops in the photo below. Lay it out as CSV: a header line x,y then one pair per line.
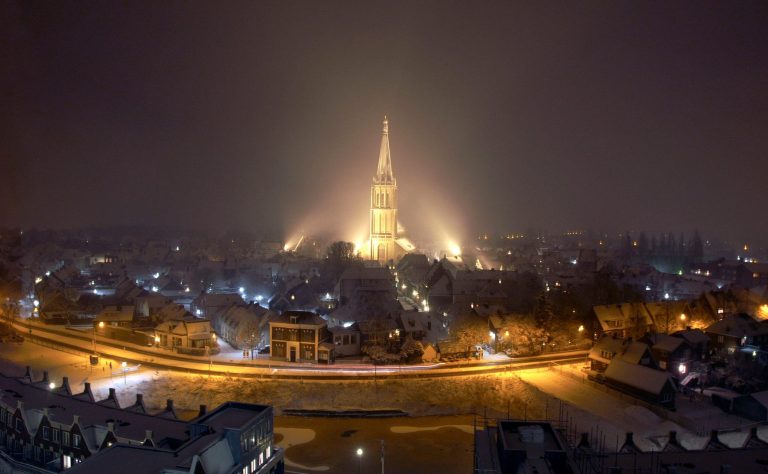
x,y
207,449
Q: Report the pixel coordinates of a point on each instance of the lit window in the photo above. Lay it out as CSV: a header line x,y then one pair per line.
x,y
253,465
269,451
261,459
67,462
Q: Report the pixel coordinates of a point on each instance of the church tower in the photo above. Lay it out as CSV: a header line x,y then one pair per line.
x,y
383,225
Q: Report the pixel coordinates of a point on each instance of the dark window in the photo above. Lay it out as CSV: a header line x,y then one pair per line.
x,y
75,441
46,433
55,435
65,438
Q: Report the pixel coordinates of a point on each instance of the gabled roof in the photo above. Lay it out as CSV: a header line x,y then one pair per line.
x,y
638,376
614,317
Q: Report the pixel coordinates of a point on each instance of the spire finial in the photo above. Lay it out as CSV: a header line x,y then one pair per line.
x,y
386,125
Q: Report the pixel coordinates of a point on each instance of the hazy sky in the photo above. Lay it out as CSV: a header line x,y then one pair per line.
x,y
503,116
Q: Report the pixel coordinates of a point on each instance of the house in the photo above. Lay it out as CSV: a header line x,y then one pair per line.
x,y
346,340
244,326
697,340
411,325
208,304
189,335
735,331
356,278
672,353
602,353
645,383
115,316
381,332
624,320
610,348
149,304
44,430
295,336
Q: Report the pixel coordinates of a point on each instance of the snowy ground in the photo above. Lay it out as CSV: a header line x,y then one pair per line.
x,y
531,394
615,414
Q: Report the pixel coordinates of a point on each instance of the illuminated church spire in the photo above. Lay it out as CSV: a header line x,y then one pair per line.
x,y
384,171
383,217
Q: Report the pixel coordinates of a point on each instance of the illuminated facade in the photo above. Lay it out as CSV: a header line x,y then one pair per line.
x,y
383,219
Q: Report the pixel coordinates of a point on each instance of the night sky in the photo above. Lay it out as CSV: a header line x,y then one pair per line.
x,y
503,116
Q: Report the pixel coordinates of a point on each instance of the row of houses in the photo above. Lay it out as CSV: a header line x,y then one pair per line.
x,y
46,427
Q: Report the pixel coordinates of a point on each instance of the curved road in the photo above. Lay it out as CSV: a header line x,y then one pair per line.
x,y
69,339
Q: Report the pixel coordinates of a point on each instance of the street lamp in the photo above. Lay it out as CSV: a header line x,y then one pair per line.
x,y
359,453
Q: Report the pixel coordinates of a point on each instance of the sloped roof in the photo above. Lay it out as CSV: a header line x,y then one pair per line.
x,y
634,352
623,314
638,376
693,336
668,343
738,325
606,344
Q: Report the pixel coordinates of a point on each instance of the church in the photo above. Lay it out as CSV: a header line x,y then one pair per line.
x,y
384,245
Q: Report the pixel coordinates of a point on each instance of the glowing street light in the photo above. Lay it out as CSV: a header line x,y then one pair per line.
x,y
359,453
51,385
682,316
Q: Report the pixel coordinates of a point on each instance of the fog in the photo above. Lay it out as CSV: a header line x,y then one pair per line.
x,y
504,116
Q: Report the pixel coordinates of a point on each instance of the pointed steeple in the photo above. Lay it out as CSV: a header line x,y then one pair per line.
x,y
384,171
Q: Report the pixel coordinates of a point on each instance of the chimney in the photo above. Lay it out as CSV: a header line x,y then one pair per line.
x,y
65,385
111,426
139,399
45,376
169,405
584,440
19,404
86,386
148,434
203,411
112,394
75,419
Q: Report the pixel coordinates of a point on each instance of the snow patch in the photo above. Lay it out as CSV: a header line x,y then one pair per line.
x,y
414,429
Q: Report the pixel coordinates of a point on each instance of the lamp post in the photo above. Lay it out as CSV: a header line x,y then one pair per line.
x,y
359,453
125,377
